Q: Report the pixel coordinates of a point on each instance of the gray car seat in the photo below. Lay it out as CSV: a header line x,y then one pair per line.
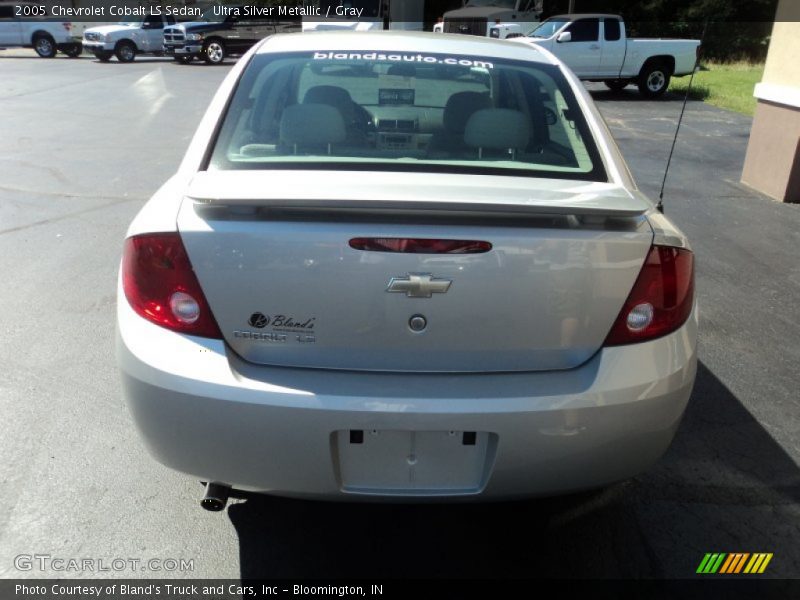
x,y
356,119
311,129
459,108
498,133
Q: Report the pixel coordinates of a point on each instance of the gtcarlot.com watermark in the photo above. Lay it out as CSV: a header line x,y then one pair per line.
x,y
48,562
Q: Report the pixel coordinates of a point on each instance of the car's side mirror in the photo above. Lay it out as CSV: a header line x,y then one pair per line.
x,y
564,36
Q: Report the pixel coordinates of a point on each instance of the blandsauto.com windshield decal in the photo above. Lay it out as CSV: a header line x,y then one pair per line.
x,y
403,57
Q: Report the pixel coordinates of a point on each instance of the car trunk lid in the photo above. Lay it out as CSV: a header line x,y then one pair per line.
x,y
288,286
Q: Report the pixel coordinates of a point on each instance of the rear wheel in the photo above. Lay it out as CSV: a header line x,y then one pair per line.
x,y
125,51
214,52
103,55
44,45
654,79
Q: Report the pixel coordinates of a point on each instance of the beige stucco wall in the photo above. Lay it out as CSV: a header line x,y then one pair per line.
x,y
783,60
772,164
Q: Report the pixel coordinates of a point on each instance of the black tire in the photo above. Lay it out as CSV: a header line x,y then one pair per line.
x,y
214,52
73,51
103,55
616,85
44,45
654,79
125,51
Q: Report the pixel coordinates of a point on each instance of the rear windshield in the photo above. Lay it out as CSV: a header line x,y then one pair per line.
x,y
405,112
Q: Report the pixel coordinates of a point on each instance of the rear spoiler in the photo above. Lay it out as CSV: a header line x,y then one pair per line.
x,y
414,193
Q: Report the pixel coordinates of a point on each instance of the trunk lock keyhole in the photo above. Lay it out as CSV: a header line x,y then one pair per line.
x,y
417,323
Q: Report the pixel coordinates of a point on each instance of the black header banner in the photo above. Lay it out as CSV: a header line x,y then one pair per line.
x,y
634,11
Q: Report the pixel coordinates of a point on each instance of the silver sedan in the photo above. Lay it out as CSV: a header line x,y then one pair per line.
x,y
404,266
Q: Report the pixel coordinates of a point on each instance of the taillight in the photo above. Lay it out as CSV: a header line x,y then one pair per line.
x,y
161,286
661,299
420,245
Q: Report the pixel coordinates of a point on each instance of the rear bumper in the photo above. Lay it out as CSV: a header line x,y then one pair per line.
x,y
203,411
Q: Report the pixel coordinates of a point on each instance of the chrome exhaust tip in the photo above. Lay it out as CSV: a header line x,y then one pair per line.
x,y
216,496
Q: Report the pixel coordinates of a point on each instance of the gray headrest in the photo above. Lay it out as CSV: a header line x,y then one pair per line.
x,y
327,94
311,124
498,129
333,96
460,107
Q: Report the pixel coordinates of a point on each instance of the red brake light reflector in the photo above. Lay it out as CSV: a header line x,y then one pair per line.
x,y
161,285
420,245
661,299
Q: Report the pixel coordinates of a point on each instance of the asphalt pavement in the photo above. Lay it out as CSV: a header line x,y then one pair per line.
x,y
83,145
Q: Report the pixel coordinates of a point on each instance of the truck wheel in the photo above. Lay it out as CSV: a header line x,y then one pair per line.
x,y
73,50
125,51
654,79
214,52
103,55
616,85
44,45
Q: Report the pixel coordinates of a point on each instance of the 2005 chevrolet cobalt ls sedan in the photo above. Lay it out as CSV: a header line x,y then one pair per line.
x,y
401,265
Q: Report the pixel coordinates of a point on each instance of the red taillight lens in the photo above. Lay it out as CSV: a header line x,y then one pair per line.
x,y
420,245
161,286
661,299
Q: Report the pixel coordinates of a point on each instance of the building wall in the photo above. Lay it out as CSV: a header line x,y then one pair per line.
x,y
784,49
772,164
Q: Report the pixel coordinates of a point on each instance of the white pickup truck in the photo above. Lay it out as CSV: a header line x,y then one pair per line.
x,y
596,48
23,24
125,40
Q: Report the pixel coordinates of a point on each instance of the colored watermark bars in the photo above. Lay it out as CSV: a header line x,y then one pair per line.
x,y
734,563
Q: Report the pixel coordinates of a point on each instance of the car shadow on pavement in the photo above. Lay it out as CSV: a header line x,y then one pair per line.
x,y
114,61
35,57
203,64
631,94
724,486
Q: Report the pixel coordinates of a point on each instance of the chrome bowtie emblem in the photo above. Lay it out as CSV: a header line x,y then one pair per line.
x,y
421,285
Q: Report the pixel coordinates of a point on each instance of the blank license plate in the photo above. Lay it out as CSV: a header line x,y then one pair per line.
x,y
413,462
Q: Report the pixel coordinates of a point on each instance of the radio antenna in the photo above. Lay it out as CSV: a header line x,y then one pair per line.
x,y
660,205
